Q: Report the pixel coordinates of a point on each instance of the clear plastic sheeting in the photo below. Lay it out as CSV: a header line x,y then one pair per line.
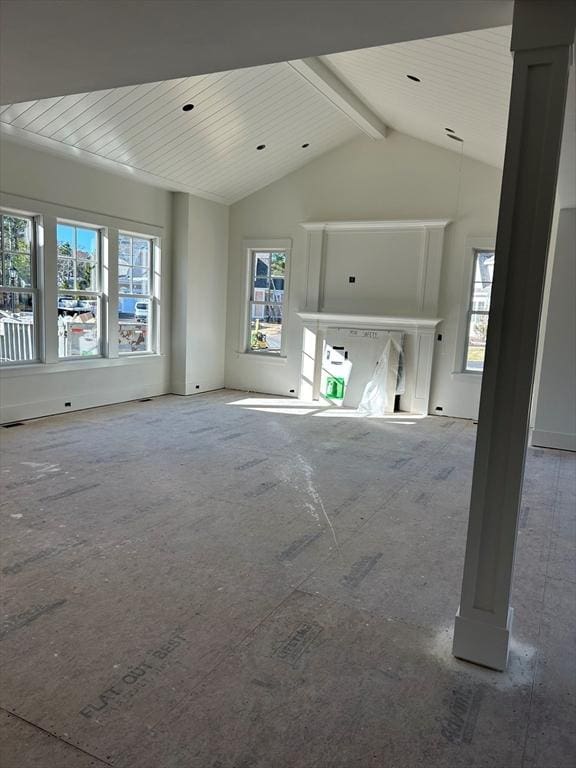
x,y
387,381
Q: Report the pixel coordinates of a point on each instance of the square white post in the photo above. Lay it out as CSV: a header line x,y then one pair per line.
x,y
541,38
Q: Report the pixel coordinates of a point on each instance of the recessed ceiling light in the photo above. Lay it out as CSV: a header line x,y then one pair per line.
x,y
261,146
413,77
449,130
304,146
187,107
456,138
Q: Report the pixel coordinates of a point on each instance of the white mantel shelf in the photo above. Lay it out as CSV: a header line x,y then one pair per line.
x,y
329,319
333,226
418,345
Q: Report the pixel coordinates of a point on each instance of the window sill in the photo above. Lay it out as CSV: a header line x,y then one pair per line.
x,y
73,364
268,357
469,376
134,355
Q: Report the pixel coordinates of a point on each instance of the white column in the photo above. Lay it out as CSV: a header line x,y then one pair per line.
x,y
181,280
313,339
541,38
48,285
110,290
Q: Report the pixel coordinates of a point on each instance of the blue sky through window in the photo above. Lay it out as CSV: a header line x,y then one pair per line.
x,y
86,239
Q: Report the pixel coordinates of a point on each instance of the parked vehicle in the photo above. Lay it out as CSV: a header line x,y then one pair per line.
x,y
141,311
66,304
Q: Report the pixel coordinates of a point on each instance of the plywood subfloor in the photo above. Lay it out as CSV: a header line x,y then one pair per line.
x,y
235,581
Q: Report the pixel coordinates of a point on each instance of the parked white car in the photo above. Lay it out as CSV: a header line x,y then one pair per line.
x,y
141,311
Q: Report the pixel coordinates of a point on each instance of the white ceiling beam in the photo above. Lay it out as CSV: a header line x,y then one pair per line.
x,y
329,85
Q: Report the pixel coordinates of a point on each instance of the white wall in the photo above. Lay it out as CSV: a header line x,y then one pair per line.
x,y
558,381
42,184
200,281
399,178
555,416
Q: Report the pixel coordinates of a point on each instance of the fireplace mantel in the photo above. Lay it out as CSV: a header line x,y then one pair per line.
x,y
390,323
418,333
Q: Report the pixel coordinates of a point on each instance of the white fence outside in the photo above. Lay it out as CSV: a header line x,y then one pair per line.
x,y
16,339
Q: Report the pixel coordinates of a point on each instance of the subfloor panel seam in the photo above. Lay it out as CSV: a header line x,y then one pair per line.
x,y
55,736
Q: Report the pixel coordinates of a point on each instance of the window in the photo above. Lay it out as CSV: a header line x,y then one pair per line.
x,y
18,294
136,295
267,293
79,294
478,310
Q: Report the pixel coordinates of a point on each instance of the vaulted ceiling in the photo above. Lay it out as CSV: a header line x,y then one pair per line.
x,y
212,149
464,86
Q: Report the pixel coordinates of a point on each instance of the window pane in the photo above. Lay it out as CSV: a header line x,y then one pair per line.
x,y
265,327
481,293
268,295
124,249
65,238
484,267
17,270
16,327
78,326
66,274
86,276
277,264
86,244
261,270
476,342
133,325
141,252
140,280
125,284
16,234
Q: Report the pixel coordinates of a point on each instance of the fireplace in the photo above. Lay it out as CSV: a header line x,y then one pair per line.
x,y
363,337
367,280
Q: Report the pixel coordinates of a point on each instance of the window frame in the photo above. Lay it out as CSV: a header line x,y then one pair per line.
x,y
101,324
272,245
151,296
470,311
33,289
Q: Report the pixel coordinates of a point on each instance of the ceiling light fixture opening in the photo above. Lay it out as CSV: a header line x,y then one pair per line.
x,y
187,107
261,146
305,146
456,138
413,77
449,130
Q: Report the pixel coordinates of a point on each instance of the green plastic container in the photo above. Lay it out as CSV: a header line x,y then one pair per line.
x,y
335,388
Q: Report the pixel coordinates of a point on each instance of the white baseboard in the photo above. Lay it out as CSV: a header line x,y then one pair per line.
x,y
53,407
480,643
564,441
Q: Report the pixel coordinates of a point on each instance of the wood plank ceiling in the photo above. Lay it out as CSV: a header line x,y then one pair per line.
x,y
464,85
211,150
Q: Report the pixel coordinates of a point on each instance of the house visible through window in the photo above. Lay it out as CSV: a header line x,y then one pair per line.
x,y
18,295
267,294
79,295
135,288
479,308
